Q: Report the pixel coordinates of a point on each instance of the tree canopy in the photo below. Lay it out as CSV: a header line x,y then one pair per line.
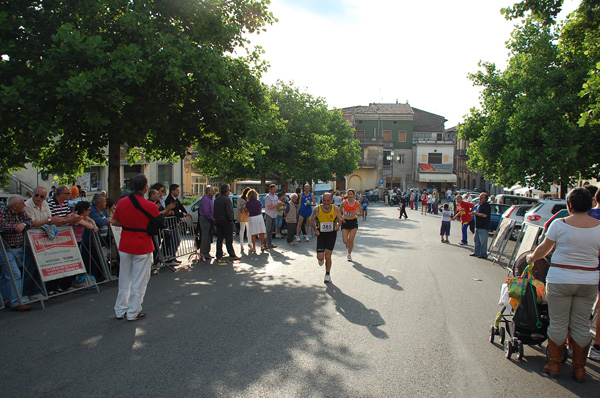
x,y
529,127
304,141
155,76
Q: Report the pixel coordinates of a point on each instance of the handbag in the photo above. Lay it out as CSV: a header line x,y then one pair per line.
x,y
526,315
243,216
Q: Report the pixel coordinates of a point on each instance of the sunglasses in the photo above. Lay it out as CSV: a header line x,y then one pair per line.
x,y
37,195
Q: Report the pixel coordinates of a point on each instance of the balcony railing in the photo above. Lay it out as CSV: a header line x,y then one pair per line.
x,y
367,162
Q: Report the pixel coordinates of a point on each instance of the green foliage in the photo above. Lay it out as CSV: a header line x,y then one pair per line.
x,y
299,139
156,76
527,128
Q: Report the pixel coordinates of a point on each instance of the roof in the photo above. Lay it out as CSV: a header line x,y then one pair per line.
x,y
427,122
403,109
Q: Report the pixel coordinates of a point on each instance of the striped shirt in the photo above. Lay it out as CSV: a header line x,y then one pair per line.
x,y
58,210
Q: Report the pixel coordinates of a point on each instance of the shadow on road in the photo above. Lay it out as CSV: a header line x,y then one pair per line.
x,y
356,312
377,276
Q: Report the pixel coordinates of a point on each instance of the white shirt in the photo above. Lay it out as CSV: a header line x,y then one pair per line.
x,y
270,200
574,246
35,213
446,215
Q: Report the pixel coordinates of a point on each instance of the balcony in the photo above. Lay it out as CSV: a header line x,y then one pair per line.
x,y
368,163
461,153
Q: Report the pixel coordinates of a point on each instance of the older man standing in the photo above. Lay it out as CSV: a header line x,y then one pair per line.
x,y
135,250
224,223
13,223
206,219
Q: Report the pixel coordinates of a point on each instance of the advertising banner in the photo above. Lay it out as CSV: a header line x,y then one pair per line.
x,y
56,258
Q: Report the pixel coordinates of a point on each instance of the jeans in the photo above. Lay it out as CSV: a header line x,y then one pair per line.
x,y
15,257
481,239
279,222
270,224
465,228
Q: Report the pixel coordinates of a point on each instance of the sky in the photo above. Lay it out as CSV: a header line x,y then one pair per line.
x,y
356,52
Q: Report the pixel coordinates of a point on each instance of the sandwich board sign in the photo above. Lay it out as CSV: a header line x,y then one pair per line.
x,y
58,257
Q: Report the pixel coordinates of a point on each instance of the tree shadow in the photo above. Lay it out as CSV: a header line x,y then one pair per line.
x,y
355,312
377,276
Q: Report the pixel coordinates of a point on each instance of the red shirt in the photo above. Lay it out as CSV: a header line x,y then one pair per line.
x,y
134,242
465,211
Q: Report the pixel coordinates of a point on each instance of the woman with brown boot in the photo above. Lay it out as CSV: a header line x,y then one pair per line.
x,y
572,281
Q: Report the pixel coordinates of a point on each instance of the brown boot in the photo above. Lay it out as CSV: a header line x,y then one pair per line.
x,y
555,354
578,361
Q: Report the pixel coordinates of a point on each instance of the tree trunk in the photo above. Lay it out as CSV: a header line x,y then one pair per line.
x,y
263,183
563,190
114,169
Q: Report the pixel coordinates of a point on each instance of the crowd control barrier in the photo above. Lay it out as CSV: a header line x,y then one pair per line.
x,y
177,240
25,273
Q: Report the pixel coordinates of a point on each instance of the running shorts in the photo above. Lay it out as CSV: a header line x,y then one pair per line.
x,y
350,224
326,241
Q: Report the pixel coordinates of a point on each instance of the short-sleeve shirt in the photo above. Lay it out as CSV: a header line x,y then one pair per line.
x,y
464,208
254,207
58,210
574,246
446,215
35,213
134,242
483,222
271,200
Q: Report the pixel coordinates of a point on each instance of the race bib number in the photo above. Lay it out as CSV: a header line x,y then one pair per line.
x,y
326,227
348,213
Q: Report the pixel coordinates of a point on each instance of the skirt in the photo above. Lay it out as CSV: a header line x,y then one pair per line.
x,y
256,225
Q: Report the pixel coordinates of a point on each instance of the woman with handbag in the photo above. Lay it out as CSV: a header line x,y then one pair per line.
x,y
572,281
243,216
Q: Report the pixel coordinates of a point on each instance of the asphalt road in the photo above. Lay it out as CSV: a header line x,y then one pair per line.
x,y
409,317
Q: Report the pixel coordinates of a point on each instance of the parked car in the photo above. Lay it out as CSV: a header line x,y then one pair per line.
x,y
517,213
515,200
561,214
543,211
495,216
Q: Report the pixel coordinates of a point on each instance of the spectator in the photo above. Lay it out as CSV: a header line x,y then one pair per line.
x,y
482,226
256,223
179,212
291,218
595,212
571,283
446,218
52,191
464,211
224,222
135,250
243,216
206,222
279,220
271,206
13,224
110,207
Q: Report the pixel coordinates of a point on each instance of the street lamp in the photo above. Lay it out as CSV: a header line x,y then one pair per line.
x,y
391,158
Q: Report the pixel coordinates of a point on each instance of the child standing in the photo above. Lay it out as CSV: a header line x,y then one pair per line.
x,y
446,217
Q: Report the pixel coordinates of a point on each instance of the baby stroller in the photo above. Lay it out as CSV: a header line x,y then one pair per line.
x,y
519,336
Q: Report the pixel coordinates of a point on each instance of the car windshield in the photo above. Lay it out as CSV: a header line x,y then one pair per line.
x,y
536,207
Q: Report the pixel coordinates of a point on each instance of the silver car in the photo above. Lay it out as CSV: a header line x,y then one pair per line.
x,y
543,211
517,213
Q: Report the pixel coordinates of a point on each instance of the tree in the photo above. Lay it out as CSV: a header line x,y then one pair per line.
x,y
527,128
303,141
152,76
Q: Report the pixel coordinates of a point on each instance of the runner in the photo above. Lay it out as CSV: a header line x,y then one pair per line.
x,y
306,202
326,222
350,212
365,204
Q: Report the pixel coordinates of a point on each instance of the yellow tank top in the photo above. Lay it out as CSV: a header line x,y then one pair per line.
x,y
326,221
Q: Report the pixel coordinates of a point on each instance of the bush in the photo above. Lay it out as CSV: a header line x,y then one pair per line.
x,y
188,200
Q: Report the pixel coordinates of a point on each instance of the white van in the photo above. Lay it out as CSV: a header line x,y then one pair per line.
x,y
515,200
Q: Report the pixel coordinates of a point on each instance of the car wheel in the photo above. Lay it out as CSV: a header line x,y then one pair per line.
x,y
514,235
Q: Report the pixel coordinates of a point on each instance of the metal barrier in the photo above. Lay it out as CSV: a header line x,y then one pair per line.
x,y
177,240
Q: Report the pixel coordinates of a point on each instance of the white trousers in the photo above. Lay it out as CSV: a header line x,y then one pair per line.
x,y
134,274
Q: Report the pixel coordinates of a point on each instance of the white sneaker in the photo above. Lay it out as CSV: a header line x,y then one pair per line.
x,y
327,279
306,238
278,236
321,262
349,257
297,238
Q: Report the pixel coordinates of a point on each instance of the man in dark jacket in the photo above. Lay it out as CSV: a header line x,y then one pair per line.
x,y
482,226
224,222
179,212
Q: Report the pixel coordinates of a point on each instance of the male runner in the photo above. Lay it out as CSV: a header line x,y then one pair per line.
x,y
326,221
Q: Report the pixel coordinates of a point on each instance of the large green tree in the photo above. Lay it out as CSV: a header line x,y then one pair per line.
x,y
527,128
83,78
303,141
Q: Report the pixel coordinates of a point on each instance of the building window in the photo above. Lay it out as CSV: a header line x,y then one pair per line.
x,y
395,122
435,158
95,183
359,122
439,137
402,136
360,134
198,185
387,135
400,159
128,173
165,174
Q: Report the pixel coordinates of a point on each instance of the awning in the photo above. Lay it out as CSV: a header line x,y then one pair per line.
x,y
437,177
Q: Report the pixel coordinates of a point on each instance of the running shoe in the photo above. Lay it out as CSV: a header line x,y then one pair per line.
x,y
327,279
321,262
297,238
594,354
349,257
278,236
306,238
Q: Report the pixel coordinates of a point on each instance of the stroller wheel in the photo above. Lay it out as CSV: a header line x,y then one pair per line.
x,y
492,334
520,350
508,348
502,335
